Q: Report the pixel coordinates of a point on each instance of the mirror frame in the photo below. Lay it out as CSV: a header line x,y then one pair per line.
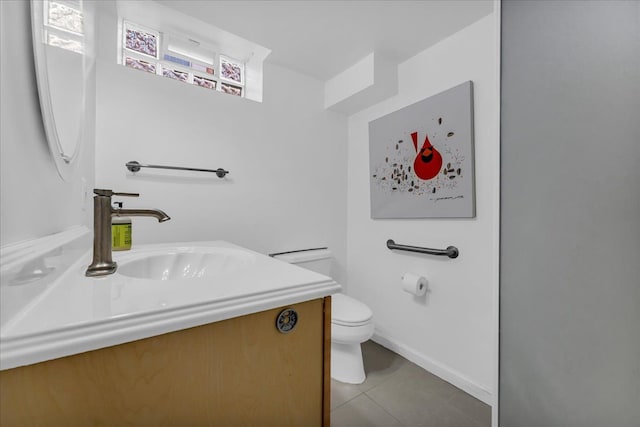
x,y
66,163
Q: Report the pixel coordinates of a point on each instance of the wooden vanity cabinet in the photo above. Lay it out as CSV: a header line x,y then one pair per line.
x,y
236,372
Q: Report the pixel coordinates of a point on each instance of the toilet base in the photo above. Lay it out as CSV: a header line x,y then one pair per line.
x,y
346,363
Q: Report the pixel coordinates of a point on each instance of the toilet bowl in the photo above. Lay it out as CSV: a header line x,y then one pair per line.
x,y
351,320
351,325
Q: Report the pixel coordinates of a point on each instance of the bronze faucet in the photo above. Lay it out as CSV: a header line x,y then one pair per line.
x,y
103,263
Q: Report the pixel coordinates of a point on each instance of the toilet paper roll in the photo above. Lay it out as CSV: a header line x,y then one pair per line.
x,y
414,284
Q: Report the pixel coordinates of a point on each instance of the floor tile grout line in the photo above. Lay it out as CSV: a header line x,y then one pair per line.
x,y
347,401
390,377
474,420
384,410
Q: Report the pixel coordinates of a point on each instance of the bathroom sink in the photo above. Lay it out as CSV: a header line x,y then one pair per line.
x,y
185,263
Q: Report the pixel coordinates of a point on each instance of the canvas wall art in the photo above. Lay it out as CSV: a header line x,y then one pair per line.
x,y
421,158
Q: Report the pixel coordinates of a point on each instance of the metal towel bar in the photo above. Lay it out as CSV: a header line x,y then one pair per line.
x,y
134,166
451,251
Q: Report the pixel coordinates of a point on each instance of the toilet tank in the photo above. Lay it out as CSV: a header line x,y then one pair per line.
x,y
318,260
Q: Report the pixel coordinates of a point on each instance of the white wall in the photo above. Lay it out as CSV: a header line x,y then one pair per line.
x,y
286,156
451,331
34,200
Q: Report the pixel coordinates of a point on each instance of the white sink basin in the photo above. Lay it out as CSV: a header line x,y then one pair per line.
x,y
185,263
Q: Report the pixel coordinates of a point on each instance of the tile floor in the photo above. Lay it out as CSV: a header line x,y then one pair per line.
x,y
398,393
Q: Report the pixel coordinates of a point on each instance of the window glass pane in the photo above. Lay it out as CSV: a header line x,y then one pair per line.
x,y
141,41
202,68
231,89
65,17
175,74
176,60
138,64
201,81
231,70
64,43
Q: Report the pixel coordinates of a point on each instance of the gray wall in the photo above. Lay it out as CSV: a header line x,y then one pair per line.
x,y
570,214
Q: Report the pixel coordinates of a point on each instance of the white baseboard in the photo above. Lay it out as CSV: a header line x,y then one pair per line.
x,y
442,371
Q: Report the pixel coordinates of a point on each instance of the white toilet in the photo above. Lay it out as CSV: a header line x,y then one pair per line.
x,y
351,320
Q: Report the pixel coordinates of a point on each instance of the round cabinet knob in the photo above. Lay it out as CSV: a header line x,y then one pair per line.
x,y
287,320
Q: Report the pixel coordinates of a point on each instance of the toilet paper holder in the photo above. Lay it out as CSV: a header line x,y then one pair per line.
x,y
451,251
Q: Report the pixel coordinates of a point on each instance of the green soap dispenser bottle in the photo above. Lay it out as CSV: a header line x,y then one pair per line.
x,y
120,231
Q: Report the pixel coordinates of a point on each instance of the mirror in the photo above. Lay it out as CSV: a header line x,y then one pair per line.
x,y
63,46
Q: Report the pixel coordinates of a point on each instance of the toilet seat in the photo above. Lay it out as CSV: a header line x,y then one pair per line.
x,y
346,311
351,334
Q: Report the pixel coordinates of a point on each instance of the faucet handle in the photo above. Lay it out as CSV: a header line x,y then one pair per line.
x,y
127,194
109,193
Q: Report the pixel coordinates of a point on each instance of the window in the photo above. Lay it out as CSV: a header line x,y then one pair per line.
x,y
180,58
64,24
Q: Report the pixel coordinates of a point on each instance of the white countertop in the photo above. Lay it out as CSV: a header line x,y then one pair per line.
x,y
74,313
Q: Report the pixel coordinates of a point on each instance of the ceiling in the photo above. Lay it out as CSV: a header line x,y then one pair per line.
x,y
323,38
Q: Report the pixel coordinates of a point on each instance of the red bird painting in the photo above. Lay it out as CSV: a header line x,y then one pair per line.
x,y
428,160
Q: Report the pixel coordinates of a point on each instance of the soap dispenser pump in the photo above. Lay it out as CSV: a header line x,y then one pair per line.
x,y
120,231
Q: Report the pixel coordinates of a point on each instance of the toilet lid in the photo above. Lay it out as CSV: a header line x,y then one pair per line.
x,y
347,311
